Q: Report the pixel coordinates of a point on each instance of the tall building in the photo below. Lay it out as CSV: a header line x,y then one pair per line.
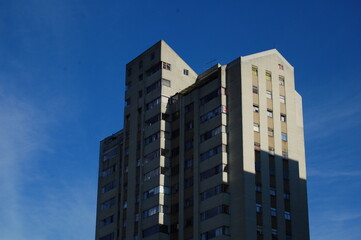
x,y
218,155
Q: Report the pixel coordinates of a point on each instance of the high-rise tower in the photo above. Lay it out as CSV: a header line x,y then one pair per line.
x,y
219,155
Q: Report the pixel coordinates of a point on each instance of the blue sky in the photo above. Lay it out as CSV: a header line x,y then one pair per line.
x,y
62,89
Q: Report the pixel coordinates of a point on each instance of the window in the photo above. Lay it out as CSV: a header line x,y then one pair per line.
x,y
258,188
215,233
274,233
188,125
151,121
106,221
271,150
269,113
284,136
210,134
286,196
152,138
140,94
110,153
185,72
210,96
129,72
108,187
259,230
152,56
212,152
214,212
108,171
268,76
287,216
156,190
153,103
283,118
258,208
125,204
255,89
153,86
272,191
256,127
269,94
166,66
285,155
107,204
214,191
151,156
273,212
282,99
153,69
255,108
270,132
254,71
188,163
280,66
140,77
154,210
281,80
166,82
212,114
140,64
211,172
153,173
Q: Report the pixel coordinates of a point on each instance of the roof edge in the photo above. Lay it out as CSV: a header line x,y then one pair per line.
x,y
266,53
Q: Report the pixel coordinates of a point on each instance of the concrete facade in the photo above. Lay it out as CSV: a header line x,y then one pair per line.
x,y
217,155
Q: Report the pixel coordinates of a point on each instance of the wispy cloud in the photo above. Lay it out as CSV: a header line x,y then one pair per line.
x,y
337,224
31,204
332,116
332,173
21,135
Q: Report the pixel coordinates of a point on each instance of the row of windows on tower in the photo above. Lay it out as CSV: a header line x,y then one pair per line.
x,y
273,212
256,128
269,94
268,74
269,113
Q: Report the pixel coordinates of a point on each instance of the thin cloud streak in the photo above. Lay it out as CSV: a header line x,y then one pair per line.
x,y
30,203
330,174
21,135
332,117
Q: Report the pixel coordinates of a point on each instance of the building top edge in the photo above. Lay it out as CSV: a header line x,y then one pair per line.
x,y
146,51
264,54
116,134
